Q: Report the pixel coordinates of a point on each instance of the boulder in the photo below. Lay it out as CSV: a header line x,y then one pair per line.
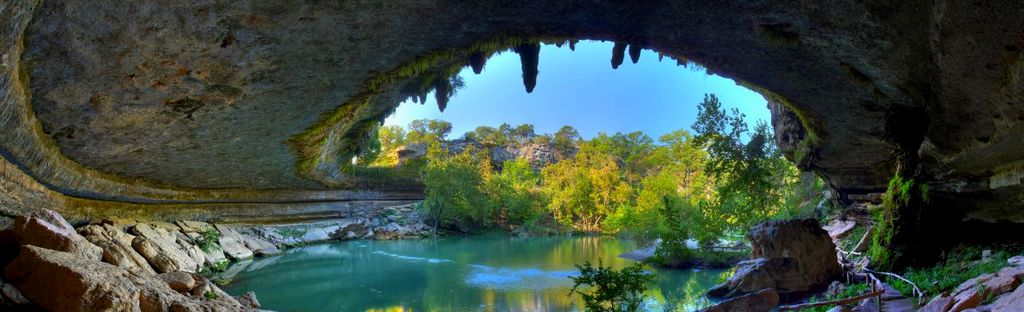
x,y
940,303
1013,301
233,243
158,260
838,229
258,245
1016,261
60,281
180,281
191,250
193,226
969,298
760,301
791,256
117,247
161,247
350,229
248,300
762,273
47,229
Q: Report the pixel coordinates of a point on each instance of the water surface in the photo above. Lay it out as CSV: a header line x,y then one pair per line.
x,y
478,273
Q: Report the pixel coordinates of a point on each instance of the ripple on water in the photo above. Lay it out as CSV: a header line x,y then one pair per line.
x,y
483,276
411,258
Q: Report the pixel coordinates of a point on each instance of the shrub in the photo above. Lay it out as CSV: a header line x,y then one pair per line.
x,y
208,240
610,290
961,264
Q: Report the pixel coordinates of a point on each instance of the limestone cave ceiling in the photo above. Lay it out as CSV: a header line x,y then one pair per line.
x,y
104,96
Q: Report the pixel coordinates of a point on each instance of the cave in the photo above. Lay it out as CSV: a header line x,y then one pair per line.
x,y
242,111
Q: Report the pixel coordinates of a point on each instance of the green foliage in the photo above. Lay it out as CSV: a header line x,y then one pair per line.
x,y
565,141
585,190
673,250
609,290
900,194
960,265
720,180
851,290
455,188
292,232
515,192
753,178
210,295
428,131
501,136
208,240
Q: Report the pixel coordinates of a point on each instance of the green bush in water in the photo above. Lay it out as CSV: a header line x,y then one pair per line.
x,y
611,290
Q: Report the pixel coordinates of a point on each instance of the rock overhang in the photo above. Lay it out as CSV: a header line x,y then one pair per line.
x,y
270,95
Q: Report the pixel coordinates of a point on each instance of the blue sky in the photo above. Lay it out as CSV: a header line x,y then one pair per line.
x,y
579,88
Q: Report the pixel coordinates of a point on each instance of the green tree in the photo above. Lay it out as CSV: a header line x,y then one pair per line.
x,y
515,192
585,190
523,133
428,131
565,141
611,290
455,196
751,175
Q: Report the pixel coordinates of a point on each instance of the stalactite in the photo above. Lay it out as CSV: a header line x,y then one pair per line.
x,y
441,90
477,60
618,54
634,53
529,55
661,56
572,44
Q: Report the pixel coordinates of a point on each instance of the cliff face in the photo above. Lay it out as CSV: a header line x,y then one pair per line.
x,y
537,154
173,101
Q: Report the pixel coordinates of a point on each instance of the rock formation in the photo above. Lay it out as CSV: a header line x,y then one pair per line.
x,y
47,273
791,257
167,108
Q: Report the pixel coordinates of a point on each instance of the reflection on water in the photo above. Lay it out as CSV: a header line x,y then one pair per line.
x,y
480,273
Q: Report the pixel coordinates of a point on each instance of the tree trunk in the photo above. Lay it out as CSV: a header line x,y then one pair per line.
x,y
437,218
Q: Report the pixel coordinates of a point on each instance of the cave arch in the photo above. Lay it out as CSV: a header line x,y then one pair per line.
x,y
204,99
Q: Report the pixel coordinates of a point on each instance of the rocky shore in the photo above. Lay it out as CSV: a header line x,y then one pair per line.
x,y
131,265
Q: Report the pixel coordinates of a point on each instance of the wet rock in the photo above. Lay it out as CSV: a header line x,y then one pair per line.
x,y
761,301
117,247
47,229
790,256
84,285
233,245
